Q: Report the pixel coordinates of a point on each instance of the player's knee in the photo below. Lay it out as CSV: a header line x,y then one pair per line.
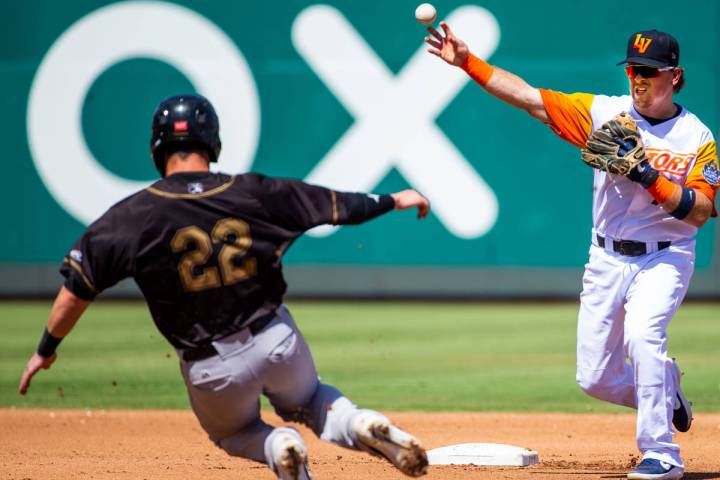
x,y
247,442
302,412
592,383
641,343
587,386
237,448
327,413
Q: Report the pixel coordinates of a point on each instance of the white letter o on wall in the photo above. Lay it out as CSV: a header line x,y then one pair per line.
x,y
166,32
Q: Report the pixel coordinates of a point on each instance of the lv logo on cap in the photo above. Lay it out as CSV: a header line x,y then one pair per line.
x,y
641,44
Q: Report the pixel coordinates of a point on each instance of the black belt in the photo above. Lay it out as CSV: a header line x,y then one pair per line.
x,y
206,351
630,248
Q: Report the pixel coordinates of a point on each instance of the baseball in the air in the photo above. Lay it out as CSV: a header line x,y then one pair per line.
x,y
425,13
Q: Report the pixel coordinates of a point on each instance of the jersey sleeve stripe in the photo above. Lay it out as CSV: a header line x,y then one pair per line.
x,y
570,115
77,267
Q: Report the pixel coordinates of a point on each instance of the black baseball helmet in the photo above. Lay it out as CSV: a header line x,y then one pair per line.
x,y
184,119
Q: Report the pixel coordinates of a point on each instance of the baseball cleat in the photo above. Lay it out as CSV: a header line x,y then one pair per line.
x,y
378,436
682,413
290,458
652,469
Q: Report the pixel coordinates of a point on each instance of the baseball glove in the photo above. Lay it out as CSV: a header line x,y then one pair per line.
x,y
616,147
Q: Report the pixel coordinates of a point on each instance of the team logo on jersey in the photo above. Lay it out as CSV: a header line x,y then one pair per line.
x,y
710,173
195,187
641,44
76,255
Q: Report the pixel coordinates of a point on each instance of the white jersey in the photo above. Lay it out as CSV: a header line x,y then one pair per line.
x,y
681,148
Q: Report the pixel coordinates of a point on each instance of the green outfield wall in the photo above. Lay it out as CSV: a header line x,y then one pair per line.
x,y
341,94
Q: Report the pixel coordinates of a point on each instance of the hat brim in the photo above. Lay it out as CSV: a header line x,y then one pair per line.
x,y
645,61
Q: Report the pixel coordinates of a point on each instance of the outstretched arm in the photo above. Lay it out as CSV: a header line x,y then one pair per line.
x,y
499,83
353,208
300,206
64,314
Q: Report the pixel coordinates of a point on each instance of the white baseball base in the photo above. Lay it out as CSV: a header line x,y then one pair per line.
x,y
482,454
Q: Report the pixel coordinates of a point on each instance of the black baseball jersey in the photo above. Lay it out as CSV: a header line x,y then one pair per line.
x,y
206,248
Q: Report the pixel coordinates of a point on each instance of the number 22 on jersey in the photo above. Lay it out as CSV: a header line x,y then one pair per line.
x,y
234,234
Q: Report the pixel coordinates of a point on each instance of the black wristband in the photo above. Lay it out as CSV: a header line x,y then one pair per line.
x,y
644,174
649,177
687,202
48,344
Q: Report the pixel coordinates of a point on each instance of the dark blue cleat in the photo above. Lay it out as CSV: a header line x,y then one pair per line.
x,y
682,413
652,469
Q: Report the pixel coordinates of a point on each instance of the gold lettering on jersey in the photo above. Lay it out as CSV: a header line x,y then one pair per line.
x,y
641,44
670,162
234,235
197,247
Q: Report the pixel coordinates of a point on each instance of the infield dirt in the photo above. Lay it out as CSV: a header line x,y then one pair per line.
x,y
164,444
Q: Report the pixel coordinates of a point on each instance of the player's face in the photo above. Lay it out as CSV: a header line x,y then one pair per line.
x,y
649,85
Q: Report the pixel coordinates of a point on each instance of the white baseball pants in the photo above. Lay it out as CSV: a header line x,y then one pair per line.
x,y
625,308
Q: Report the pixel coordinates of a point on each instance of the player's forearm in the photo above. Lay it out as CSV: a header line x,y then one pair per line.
x,y
512,89
506,86
684,203
65,312
355,208
700,212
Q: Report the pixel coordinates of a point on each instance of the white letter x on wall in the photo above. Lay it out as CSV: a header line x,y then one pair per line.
x,y
395,116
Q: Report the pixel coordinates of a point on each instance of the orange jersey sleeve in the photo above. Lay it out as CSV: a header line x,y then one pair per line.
x,y
704,175
570,114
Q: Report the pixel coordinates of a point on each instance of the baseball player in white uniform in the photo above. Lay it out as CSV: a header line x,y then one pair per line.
x,y
644,224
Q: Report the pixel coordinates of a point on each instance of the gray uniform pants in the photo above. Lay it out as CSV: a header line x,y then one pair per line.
x,y
225,390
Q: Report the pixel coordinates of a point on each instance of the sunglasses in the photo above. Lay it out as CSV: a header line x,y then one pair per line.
x,y
645,71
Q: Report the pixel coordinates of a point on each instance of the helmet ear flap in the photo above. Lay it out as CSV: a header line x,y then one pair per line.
x,y
184,119
158,156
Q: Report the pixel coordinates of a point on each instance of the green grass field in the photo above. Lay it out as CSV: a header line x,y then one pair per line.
x,y
391,356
